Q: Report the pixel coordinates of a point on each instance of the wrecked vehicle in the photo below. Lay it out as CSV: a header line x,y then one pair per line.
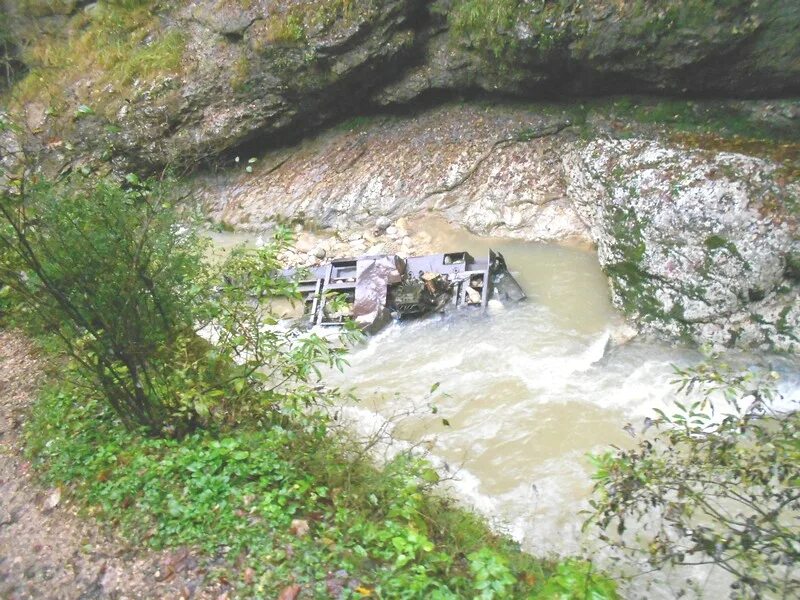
x,y
377,289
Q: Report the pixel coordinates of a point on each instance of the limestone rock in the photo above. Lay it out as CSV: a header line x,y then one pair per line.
x,y
696,246
459,161
269,70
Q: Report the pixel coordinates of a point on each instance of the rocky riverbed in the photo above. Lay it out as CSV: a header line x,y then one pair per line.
x,y
699,244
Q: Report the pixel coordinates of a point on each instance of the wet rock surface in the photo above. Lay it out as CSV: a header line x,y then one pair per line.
x,y
263,70
46,549
697,246
492,171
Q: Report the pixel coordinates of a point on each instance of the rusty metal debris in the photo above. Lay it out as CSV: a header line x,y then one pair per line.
x,y
377,289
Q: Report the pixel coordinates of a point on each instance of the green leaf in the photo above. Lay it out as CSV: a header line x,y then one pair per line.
x,y
83,111
430,475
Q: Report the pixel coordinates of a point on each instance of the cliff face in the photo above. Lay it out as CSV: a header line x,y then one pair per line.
x,y
696,222
699,243
201,77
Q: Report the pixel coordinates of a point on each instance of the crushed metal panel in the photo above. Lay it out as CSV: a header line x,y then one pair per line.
x,y
382,287
374,277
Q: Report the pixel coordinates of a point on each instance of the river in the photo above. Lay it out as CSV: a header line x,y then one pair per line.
x,y
527,391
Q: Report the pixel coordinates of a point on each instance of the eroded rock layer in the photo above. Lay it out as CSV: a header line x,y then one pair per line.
x,y
199,77
698,245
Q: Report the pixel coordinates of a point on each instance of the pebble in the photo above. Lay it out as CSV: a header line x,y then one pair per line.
x,y
53,500
382,223
320,253
304,244
391,231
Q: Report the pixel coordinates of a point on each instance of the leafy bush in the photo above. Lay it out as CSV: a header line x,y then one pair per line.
x,y
290,503
718,484
107,269
576,580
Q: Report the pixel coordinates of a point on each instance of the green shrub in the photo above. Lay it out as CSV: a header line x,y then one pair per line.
x,y
105,269
716,484
248,489
109,269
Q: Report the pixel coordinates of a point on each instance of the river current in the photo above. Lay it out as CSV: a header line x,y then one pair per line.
x,y
523,393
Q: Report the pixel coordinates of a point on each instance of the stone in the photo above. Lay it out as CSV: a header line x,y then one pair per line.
x,y
305,243
696,247
319,253
382,223
239,84
299,527
53,499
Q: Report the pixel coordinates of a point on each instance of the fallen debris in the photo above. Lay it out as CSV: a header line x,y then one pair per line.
x,y
379,288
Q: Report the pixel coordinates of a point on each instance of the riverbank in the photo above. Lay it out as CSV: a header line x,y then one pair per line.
x,y
48,549
241,513
686,202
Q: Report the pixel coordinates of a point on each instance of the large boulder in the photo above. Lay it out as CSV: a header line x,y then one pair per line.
x,y
697,245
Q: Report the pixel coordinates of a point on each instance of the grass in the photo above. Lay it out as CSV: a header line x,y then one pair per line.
x,y
487,25
293,25
242,494
107,50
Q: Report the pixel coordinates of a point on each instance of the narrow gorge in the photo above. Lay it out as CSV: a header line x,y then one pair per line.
x,y
636,161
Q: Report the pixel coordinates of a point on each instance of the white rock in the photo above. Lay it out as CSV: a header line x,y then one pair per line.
x,y
305,243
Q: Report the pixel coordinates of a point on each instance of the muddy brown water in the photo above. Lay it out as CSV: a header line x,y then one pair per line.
x,y
528,390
